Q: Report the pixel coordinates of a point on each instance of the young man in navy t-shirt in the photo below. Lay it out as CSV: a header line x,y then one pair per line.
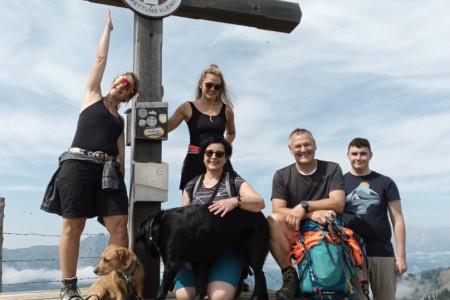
x,y
370,197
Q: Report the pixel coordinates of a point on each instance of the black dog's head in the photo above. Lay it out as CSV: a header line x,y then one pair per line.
x,y
148,234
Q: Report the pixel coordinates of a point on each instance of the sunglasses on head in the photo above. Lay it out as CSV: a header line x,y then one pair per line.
x,y
127,86
219,154
210,85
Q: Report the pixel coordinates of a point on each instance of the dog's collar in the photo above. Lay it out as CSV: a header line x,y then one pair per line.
x,y
127,277
150,230
150,237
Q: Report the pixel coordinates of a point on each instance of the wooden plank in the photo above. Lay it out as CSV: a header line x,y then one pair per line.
x,y
274,15
54,294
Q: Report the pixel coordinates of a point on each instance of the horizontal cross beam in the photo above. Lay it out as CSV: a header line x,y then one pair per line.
x,y
273,15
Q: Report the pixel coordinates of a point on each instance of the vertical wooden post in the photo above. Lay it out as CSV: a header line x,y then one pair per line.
x,y
2,216
148,68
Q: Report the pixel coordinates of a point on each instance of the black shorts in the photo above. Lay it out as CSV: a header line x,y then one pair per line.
x,y
78,185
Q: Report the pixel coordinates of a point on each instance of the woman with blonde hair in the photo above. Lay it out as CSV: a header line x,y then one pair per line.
x,y
210,114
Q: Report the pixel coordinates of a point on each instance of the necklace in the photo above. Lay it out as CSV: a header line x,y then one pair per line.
x,y
207,109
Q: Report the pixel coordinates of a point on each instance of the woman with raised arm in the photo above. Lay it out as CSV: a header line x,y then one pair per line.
x,y
210,114
90,179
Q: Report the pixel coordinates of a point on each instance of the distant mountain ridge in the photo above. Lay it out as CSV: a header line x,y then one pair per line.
x,y
44,258
37,257
428,285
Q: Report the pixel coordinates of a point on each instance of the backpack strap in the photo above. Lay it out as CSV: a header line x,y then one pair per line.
x,y
199,180
231,187
230,184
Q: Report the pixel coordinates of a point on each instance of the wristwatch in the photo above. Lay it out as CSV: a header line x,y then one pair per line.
x,y
305,205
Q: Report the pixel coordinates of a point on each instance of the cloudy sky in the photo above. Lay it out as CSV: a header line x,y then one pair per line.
x,y
378,69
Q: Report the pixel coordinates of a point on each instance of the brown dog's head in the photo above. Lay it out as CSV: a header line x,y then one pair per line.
x,y
114,258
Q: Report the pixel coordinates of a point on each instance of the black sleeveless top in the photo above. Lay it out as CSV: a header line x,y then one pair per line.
x,y
201,126
98,130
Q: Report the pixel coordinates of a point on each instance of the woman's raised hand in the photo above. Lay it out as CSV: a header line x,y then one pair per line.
x,y
108,19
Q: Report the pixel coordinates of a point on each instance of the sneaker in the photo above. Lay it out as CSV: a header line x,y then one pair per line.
x,y
69,290
291,285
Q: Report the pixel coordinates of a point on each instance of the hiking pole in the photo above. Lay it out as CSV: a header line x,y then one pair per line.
x,y
362,281
341,259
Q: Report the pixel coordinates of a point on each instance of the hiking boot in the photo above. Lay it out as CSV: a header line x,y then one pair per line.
x,y
69,290
291,285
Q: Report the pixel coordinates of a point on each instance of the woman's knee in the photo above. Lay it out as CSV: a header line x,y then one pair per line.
x,y
73,227
116,224
185,293
218,290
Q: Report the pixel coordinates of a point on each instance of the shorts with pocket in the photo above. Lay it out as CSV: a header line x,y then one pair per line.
x,y
78,185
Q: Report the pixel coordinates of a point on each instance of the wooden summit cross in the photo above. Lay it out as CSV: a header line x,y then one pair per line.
x,y
274,15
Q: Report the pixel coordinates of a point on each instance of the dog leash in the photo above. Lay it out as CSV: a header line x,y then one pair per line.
x,y
126,278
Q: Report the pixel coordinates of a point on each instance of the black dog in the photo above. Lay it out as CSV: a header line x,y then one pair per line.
x,y
193,234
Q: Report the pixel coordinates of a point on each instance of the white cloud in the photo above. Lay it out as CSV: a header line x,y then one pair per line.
x,y
12,276
412,289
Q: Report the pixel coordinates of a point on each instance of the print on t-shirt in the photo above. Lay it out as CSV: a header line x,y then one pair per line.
x,y
362,198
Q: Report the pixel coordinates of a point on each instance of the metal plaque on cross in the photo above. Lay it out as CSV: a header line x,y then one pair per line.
x,y
153,8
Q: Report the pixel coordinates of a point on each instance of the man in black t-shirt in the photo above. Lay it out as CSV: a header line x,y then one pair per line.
x,y
308,188
370,197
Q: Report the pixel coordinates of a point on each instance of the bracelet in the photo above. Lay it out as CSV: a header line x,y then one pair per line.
x,y
239,201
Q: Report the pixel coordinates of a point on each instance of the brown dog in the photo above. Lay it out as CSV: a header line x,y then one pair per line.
x,y
122,275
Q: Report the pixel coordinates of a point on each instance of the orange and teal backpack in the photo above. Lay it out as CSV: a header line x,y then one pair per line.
x,y
328,257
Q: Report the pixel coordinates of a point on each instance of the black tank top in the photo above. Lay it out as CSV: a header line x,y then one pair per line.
x,y
98,130
202,127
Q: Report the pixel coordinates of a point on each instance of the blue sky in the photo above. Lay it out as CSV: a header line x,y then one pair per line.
x,y
378,69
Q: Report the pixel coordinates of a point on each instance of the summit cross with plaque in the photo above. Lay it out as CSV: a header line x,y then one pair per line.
x,y
148,173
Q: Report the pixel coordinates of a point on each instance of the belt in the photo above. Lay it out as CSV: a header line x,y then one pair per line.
x,y
95,154
194,149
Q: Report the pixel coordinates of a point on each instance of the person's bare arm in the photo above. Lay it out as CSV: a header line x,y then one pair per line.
x,y
398,224
326,209
335,201
250,201
182,113
185,199
319,210
230,133
293,216
92,91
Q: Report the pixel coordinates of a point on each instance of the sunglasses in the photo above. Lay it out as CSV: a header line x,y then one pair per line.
x,y
219,154
127,86
210,85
